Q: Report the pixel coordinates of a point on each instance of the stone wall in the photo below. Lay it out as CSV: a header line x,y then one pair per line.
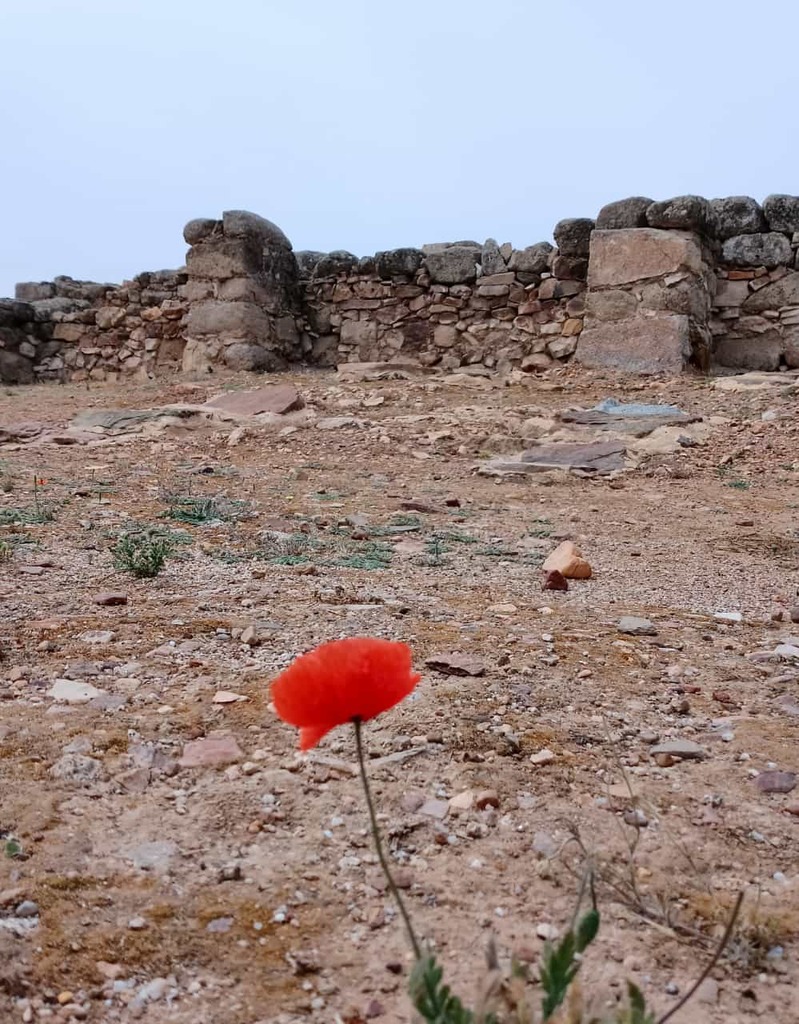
x,y
242,293
80,330
448,305
648,287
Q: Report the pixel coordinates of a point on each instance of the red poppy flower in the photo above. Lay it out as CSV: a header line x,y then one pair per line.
x,y
341,681
41,482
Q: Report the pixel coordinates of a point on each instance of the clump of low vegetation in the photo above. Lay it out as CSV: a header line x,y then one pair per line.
x,y
143,553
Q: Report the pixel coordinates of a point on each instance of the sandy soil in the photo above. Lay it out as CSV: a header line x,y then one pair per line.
x,y
249,892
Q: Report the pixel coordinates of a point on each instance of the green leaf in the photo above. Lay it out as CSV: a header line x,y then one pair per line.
x,y
587,930
432,999
12,848
638,1014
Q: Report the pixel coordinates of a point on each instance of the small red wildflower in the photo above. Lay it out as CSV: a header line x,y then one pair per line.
x,y
41,481
342,681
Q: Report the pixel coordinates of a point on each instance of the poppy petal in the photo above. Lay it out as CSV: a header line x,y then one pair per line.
x,y
311,734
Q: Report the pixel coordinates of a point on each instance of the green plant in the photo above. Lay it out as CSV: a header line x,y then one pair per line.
x,y
198,511
12,848
367,556
143,553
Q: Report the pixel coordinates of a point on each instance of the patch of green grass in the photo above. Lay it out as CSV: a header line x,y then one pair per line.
x,y
435,549
370,555
456,537
143,553
496,551
400,523
540,528
200,511
738,485
43,513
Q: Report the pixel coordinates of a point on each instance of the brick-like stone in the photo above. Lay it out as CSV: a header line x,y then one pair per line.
x,y
643,345
731,293
621,257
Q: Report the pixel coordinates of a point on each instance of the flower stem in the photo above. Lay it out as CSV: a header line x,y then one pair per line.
x,y
417,949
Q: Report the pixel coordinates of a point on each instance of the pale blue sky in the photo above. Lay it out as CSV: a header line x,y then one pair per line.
x,y
365,125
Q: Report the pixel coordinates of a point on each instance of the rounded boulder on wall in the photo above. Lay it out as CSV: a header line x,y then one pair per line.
x,y
243,224
199,228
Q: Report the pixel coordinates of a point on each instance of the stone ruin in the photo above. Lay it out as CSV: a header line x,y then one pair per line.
x,y
647,287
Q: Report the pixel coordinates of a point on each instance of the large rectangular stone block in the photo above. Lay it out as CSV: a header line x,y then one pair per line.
x,y
229,319
659,344
621,257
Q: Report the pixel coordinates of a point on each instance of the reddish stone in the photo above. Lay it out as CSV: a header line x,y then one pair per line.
x,y
555,580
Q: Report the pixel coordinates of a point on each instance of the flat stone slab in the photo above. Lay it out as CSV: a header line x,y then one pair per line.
x,y
635,426
277,399
600,458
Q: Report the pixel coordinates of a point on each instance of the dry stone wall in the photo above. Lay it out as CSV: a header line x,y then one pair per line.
x,y
647,287
448,305
81,330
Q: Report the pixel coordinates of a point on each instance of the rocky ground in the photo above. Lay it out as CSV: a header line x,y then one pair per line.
x,y
166,855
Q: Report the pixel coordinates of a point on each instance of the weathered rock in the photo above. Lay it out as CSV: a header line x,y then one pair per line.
x,y
230,319
611,304
15,369
243,355
71,691
683,750
573,235
621,257
683,213
307,260
636,627
454,265
645,345
456,664
736,215
753,352
784,292
767,250
567,560
554,580
278,399
570,268
535,259
243,224
562,348
398,263
790,340
199,228
782,213
776,782
30,291
491,259
624,213
109,599
730,293
78,769
331,264
210,752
